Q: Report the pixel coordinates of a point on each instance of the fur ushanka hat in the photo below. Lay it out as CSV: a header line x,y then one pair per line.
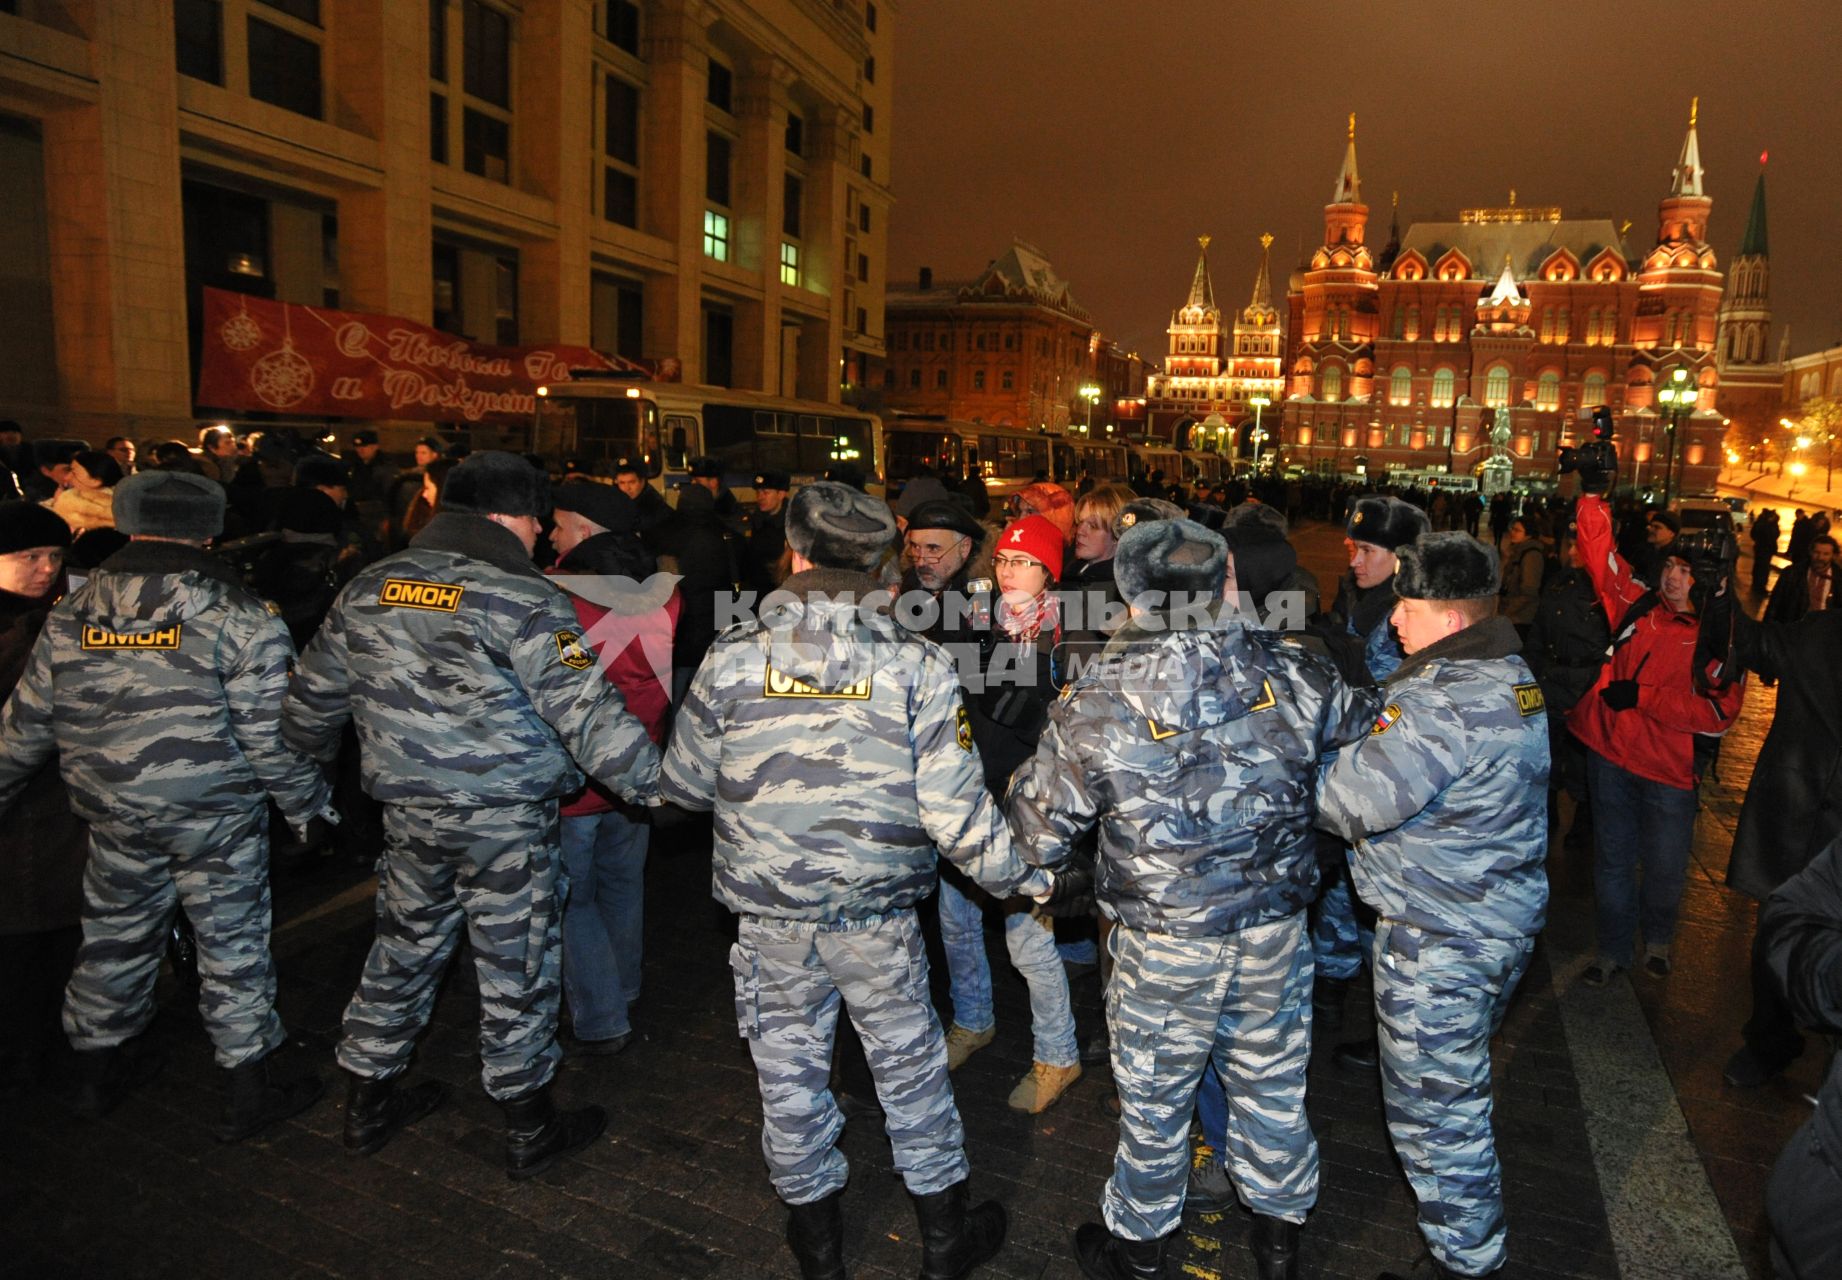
x,y
1447,566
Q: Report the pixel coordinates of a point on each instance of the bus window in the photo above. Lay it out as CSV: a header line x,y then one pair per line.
x,y
679,430
1067,466
849,441
909,451
606,428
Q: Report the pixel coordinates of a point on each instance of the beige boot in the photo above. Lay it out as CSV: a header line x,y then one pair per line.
x,y
962,1044
1037,1092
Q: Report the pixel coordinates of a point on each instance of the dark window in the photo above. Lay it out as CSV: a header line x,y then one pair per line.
x,y
716,168
485,144
796,134
863,163
620,197
914,379
621,24
721,89
863,217
198,37
863,320
438,128
978,379
438,40
940,378
505,302
869,118
623,121
629,310
869,69
719,347
284,69
447,289
792,201
863,273
305,10
486,44
869,16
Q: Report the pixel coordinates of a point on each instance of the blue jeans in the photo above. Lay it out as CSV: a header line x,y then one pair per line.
x,y
604,858
1031,943
1637,823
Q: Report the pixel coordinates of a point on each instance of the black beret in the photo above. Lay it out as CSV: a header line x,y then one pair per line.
x,y
434,442
1447,566
170,504
364,437
1143,511
838,527
634,465
1387,523
25,525
943,513
773,480
1173,555
704,467
495,483
319,469
1668,519
598,503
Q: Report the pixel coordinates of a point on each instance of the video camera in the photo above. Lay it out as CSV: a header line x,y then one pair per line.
x,y
1709,553
1596,459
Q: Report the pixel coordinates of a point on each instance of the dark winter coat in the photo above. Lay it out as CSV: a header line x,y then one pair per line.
x,y
1567,640
43,845
1794,806
699,544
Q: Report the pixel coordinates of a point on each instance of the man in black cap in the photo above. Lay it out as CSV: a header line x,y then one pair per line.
x,y
369,481
707,474
767,532
175,783
653,511
476,701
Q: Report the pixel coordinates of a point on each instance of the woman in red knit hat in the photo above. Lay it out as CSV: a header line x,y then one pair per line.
x,y
1007,715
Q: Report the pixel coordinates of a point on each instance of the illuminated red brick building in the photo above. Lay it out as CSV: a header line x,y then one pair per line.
x,y
1516,316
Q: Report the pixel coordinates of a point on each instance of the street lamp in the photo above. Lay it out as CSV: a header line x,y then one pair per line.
x,y
1091,394
1678,398
1259,400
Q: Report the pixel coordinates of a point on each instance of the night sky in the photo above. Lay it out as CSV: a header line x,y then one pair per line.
x,y
1112,135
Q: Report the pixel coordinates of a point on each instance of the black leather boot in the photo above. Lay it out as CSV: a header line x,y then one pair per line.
x,y
1427,1267
261,1095
1105,1256
375,1109
956,1240
537,1135
815,1233
1359,1055
1275,1243
1327,998
106,1076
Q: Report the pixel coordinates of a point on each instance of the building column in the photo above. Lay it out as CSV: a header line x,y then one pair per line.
x,y
821,345
760,180
386,241
672,178
555,111
112,207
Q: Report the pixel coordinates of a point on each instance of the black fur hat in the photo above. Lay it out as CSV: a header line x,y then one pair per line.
x,y
1263,559
1447,566
838,527
1170,556
495,483
1143,511
1387,523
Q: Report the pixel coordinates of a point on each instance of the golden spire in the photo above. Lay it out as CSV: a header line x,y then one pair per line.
x,y
1352,126
1203,241
1694,107
1266,240
1396,203
1512,197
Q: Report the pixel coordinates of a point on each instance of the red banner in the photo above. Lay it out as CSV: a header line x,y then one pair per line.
x,y
282,357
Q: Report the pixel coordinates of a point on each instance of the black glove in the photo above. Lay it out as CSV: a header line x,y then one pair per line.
x,y
1071,883
1619,695
317,834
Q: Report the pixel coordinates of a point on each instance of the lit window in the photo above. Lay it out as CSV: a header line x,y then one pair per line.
x,y
1592,391
1444,388
716,235
1400,386
1331,386
789,264
1496,387
1548,391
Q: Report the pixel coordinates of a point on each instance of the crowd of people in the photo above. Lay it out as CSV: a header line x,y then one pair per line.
x,y
1119,725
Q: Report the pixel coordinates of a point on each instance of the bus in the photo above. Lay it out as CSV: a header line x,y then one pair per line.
x,y
1008,459
599,420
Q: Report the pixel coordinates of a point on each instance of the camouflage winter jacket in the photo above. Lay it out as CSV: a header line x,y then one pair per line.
x,y
159,685
1446,800
465,671
1194,751
835,751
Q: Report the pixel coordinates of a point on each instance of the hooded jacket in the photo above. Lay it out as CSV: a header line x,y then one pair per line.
x,y
1446,800
159,684
465,671
1194,752
1654,739
834,750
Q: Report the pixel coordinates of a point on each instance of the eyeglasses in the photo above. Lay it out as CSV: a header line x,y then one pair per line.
x,y
1014,562
926,551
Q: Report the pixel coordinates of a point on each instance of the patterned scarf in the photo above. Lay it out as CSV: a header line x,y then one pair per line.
x,y
1024,621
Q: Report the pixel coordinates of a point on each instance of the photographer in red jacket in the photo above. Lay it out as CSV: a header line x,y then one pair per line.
x,y
1639,723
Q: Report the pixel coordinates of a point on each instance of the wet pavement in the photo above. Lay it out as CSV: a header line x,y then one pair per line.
x,y
677,1187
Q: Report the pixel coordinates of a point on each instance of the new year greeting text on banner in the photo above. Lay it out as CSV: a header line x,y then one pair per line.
x,y
282,357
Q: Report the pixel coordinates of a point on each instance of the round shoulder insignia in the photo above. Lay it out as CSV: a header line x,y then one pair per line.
x,y
273,608
1357,518
1128,519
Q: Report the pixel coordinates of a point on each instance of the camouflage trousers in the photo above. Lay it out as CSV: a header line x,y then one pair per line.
x,y
496,871
790,978
1438,1001
1174,1005
1339,937
218,868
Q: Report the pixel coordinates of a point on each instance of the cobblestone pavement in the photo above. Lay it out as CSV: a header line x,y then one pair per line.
x,y
677,1187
